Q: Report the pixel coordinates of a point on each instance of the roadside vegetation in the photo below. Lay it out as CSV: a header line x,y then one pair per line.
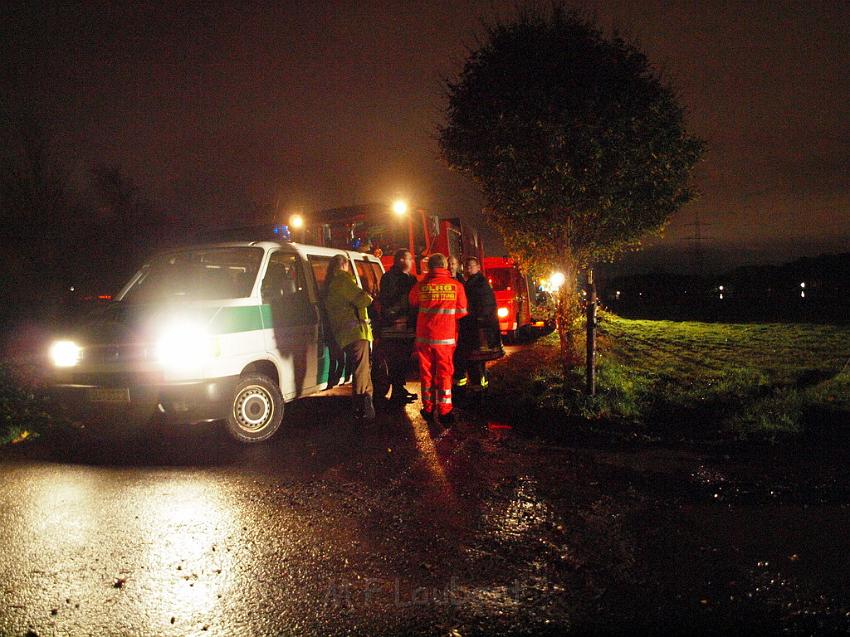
x,y
686,381
25,411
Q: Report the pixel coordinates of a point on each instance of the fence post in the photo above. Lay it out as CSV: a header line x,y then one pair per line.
x,y
590,367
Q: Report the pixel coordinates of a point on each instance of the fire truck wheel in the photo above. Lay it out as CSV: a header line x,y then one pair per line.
x,y
256,410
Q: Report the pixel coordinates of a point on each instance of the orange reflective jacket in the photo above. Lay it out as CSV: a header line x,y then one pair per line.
x,y
441,303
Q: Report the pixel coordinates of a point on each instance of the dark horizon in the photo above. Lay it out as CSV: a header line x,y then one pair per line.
x,y
223,113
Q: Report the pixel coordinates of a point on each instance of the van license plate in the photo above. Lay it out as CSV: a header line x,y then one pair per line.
x,y
109,395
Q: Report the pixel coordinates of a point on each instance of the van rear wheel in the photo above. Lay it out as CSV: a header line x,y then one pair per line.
x,y
256,410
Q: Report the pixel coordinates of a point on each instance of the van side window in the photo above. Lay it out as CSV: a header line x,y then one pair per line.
x,y
367,277
285,291
377,272
319,264
283,277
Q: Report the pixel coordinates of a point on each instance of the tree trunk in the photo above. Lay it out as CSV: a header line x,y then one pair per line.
x,y
566,313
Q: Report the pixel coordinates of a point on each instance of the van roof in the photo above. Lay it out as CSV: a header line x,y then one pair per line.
x,y
302,248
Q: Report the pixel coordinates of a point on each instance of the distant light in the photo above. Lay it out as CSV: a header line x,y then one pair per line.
x,y
618,294
803,284
557,280
720,288
71,288
296,222
502,312
721,296
400,207
802,294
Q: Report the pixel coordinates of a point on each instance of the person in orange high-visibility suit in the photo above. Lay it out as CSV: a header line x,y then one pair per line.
x,y
440,301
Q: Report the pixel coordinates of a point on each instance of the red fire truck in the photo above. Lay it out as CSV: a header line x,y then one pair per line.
x,y
381,229
512,295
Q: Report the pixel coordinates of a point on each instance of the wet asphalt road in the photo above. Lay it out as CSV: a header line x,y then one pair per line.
x,y
406,529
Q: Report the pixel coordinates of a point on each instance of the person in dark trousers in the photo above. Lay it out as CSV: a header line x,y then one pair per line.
x,y
482,316
398,323
456,273
345,305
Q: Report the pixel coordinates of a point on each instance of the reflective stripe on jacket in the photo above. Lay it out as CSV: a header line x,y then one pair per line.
x,y
441,302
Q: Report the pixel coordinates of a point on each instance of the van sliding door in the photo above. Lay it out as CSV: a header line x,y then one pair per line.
x,y
291,323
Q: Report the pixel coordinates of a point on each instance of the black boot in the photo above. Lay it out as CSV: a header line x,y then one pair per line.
x,y
401,396
447,420
368,408
357,410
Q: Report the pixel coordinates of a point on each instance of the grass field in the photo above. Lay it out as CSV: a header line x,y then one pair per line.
x,y
663,378
690,379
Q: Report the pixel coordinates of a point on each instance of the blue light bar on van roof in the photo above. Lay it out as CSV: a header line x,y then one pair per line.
x,y
282,232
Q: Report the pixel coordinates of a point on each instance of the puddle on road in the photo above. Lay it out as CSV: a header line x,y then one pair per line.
x,y
524,512
520,551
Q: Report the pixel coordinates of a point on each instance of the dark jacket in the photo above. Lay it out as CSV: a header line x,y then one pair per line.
x,y
395,288
482,309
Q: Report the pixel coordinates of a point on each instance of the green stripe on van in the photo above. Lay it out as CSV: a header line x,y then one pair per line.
x,y
266,315
238,319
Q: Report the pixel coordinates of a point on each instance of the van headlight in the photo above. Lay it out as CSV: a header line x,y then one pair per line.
x,y
65,353
183,346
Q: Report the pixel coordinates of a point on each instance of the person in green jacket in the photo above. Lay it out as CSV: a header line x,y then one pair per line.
x,y
345,305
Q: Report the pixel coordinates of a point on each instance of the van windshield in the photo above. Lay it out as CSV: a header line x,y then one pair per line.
x,y
197,275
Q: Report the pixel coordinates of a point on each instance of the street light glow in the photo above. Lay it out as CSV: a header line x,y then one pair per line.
x,y
296,222
400,207
557,280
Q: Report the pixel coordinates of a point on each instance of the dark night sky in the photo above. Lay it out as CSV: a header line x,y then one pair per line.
x,y
221,109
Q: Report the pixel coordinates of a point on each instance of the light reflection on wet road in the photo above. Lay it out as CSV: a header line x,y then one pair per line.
x,y
400,529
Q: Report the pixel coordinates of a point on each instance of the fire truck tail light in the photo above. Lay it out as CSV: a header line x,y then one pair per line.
x,y
502,312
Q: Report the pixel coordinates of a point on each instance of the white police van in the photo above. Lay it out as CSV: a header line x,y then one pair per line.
x,y
221,331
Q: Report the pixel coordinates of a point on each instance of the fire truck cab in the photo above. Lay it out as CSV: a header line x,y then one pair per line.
x,y
510,287
380,230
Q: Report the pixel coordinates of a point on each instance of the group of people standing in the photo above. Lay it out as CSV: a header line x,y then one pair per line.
x,y
440,317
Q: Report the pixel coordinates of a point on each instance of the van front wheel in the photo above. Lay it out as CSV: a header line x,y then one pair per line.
x,y
256,410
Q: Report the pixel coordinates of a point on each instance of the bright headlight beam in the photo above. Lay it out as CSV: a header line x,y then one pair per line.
x,y
502,312
183,345
65,353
